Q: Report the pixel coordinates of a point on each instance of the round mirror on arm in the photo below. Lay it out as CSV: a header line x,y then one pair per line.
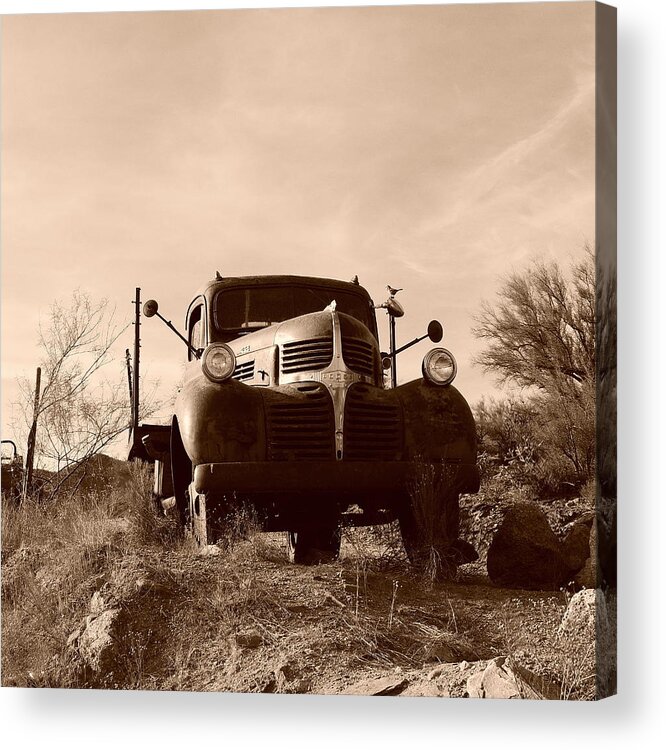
x,y
150,308
435,331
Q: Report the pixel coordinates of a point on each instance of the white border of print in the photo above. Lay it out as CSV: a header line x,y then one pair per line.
x,y
121,719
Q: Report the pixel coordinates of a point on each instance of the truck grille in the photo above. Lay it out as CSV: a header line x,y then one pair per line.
x,y
302,356
372,428
244,370
359,356
302,428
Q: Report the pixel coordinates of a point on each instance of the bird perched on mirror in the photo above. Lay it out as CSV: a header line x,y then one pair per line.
x,y
392,291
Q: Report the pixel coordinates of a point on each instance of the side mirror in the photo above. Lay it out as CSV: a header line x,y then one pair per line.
x,y
386,361
395,308
150,308
435,331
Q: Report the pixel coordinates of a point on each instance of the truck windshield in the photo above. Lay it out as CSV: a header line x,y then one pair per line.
x,y
239,311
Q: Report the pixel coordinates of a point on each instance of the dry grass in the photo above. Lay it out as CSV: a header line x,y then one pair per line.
x,y
55,555
435,510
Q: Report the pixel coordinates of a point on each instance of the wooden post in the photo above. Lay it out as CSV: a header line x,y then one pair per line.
x,y
128,361
32,438
137,346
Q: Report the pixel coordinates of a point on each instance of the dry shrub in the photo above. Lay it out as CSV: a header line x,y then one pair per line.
x,y
379,546
435,514
150,525
56,554
240,524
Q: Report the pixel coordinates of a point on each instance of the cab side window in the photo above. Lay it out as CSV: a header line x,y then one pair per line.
x,y
196,332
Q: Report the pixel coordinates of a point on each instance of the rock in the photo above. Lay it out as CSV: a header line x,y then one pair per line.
x,y
249,639
210,550
436,672
73,639
607,541
391,685
586,578
576,544
96,643
587,636
426,690
502,679
525,552
288,679
586,609
532,685
447,672
496,681
97,603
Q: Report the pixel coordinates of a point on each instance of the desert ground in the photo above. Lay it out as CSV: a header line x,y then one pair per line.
x,y
101,591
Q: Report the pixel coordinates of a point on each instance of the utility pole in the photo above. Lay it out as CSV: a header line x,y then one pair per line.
x,y
32,437
137,347
128,362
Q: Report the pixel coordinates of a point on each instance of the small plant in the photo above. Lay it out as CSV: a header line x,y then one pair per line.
x,y
150,525
432,529
396,586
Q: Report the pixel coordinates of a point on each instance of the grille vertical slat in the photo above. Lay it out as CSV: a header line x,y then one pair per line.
x,y
373,427
301,356
302,428
244,370
359,356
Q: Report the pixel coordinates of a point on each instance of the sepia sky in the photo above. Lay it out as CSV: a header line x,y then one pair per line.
x,y
434,148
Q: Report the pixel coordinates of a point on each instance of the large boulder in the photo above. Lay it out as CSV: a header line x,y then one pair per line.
x,y
576,544
526,553
587,638
588,576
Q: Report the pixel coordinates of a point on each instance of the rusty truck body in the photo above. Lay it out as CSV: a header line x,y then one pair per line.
x,y
284,406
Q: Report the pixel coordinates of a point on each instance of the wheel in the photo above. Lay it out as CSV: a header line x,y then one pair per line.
x,y
430,532
182,472
311,545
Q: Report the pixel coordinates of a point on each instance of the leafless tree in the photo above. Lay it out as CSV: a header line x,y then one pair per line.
x,y
541,330
84,403
540,335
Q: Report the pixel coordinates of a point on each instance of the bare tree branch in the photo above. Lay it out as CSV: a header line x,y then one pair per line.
x,y
84,403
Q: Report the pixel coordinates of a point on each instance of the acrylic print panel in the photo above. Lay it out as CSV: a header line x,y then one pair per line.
x,y
363,442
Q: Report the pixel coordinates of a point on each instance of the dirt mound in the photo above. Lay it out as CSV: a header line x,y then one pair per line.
x,y
247,621
100,473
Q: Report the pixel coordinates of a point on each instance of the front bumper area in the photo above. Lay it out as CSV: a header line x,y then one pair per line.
x,y
351,477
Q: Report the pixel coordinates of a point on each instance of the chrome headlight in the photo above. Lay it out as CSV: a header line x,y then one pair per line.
x,y
439,367
218,362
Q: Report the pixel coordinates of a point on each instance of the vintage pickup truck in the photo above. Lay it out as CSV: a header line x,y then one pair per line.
x,y
285,406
